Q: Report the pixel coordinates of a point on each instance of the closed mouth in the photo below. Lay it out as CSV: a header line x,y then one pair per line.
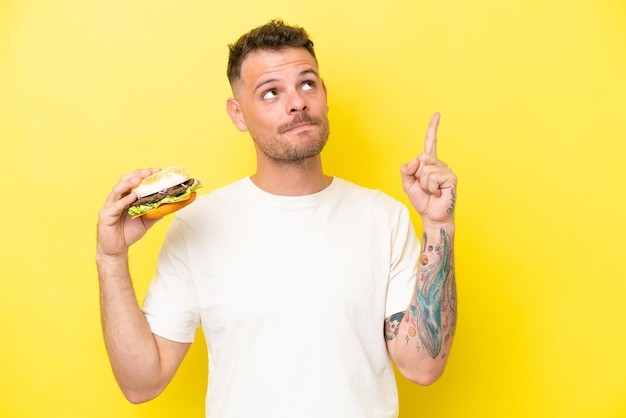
x,y
302,122
302,125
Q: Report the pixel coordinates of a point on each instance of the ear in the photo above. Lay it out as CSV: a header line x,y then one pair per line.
x,y
234,111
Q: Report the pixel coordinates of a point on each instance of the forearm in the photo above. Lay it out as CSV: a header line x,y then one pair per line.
x,y
130,344
421,337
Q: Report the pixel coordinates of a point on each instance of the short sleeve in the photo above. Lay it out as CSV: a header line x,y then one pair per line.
x,y
405,249
170,305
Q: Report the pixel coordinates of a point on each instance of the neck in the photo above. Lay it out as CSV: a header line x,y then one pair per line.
x,y
291,179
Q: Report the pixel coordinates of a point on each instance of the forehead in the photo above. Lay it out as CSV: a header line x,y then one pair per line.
x,y
262,65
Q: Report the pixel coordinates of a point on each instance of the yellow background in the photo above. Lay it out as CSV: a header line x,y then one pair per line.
x,y
532,97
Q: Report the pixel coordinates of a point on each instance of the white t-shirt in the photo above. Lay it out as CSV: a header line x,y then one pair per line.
x,y
291,294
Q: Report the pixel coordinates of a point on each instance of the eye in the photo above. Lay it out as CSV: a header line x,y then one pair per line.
x,y
270,94
308,85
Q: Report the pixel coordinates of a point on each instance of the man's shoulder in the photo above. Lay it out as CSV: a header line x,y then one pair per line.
x,y
215,199
353,195
346,186
228,191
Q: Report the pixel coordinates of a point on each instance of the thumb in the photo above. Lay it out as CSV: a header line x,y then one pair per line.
x,y
410,168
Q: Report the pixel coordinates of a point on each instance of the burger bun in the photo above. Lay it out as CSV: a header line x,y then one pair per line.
x,y
161,180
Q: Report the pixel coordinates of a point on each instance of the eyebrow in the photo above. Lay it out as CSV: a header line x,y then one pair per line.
x,y
272,80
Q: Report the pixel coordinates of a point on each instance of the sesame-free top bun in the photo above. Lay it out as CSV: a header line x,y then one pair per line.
x,y
167,208
161,180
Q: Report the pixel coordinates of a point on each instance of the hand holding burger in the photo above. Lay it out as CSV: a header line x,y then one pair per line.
x,y
163,192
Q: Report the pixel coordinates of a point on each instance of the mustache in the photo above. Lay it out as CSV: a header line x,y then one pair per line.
x,y
299,119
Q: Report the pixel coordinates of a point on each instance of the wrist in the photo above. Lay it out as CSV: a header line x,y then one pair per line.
x,y
429,225
111,259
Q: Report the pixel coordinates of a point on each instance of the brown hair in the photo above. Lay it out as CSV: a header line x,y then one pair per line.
x,y
273,36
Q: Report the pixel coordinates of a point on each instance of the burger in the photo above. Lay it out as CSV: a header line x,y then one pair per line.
x,y
163,192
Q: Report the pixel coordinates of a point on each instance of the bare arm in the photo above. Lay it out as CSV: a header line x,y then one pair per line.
x,y
419,339
142,363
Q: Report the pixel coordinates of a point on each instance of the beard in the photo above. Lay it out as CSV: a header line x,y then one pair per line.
x,y
305,145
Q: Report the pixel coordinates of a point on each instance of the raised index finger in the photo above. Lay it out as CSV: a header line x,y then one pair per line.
x,y
430,141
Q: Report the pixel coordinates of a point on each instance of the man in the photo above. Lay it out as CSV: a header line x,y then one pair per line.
x,y
307,286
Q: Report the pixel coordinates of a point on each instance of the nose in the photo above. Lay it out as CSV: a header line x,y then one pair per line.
x,y
296,102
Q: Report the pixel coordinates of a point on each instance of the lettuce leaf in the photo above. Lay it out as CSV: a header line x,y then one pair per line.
x,y
136,211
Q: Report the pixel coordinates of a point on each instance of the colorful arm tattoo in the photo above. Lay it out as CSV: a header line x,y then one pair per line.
x,y
435,311
392,325
433,317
